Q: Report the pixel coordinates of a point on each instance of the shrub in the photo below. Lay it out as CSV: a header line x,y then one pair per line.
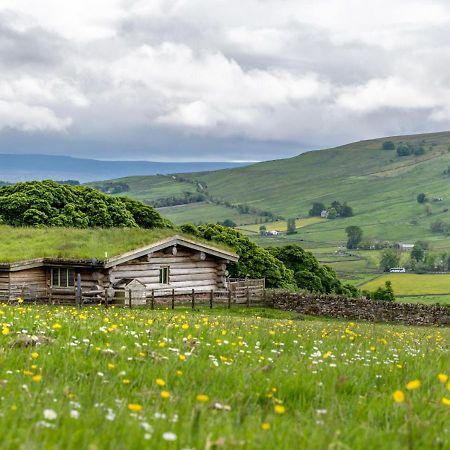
x,y
48,203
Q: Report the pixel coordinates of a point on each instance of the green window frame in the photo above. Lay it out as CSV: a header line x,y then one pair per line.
x,y
62,277
164,275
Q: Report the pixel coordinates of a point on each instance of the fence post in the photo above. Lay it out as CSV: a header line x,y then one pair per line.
x,y
152,305
106,298
193,298
229,299
248,297
173,298
129,299
211,297
264,296
78,290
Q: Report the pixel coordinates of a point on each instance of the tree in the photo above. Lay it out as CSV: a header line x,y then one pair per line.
x,y
316,209
346,211
418,252
254,261
428,209
388,145
354,236
228,223
386,293
262,230
332,213
389,258
308,273
404,149
421,198
291,229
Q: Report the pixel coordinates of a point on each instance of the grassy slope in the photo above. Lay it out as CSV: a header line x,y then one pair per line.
x,y
17,244
381,187
334,380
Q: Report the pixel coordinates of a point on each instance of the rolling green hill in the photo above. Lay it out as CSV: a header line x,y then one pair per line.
x,y
381,186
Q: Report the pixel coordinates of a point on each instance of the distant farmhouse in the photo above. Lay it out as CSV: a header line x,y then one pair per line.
x,y
404,247
175,263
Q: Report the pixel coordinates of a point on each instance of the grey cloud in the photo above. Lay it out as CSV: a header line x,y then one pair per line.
x,y
200,81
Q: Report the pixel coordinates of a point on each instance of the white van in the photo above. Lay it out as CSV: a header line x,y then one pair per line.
x,y
397,269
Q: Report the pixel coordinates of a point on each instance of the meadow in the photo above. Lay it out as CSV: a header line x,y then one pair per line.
x,y
242,378
413,284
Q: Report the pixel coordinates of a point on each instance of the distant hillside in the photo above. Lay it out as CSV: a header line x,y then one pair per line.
x,y
380,185
39,167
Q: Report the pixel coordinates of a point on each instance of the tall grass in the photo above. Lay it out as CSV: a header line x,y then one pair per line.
x,y
133,379
18,243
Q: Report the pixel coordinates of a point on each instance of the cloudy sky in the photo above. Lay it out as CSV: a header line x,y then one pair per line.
x,y
218,79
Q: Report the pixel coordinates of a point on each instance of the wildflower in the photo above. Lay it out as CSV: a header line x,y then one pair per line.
x,y
111,366
445,401
182,358
56,326
414,384
168,436
279,409
443,378
37,378
202,398
20,300
165,394
74,414
398,396
134,407
160,382
5,331
35,355
185,326
126,381
179,372
50,414
110,415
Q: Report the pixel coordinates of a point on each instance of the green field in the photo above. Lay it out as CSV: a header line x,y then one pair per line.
x,y
203,212
133,379
413,284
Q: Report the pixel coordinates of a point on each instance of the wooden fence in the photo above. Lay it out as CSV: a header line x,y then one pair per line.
x,y
239,292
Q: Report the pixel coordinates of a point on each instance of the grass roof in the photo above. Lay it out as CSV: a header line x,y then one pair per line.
x,y
21,244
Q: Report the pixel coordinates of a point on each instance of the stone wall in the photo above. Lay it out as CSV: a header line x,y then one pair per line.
x,y
361,309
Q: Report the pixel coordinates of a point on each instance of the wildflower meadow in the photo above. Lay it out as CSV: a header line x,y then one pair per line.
x,y
120,378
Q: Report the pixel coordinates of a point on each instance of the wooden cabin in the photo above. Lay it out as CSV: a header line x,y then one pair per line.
x,y
175,263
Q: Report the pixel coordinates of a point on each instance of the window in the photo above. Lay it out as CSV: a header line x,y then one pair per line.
x,y
63,277
164,275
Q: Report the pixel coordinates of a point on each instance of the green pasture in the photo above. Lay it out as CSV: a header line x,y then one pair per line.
x,y
249,378
412,284
204,212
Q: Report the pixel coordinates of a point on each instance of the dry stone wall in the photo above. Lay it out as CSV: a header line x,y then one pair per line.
x,y
362,309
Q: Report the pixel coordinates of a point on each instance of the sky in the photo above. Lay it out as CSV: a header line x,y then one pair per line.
x,y
216,80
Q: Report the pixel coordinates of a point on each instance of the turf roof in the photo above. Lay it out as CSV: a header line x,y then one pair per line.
x,y
21,244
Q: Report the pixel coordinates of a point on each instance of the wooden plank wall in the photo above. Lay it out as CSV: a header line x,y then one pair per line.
x,y
4,285
187,271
